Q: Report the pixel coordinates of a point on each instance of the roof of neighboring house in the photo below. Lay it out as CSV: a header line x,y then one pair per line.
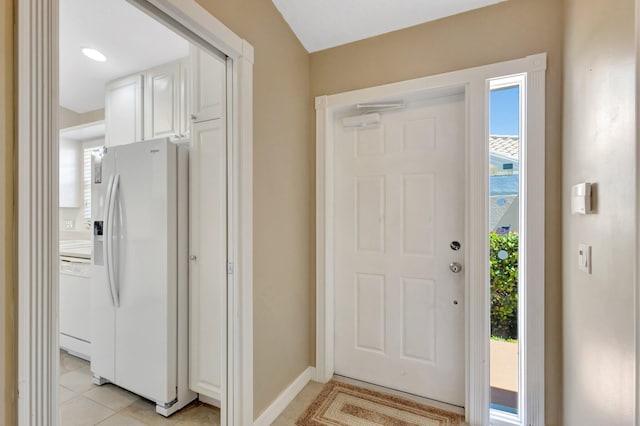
x,y
505,145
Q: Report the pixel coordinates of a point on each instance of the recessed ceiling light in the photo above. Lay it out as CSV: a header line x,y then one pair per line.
x,y
94,54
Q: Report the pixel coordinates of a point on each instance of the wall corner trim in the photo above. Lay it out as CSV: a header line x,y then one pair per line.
x,y
247,51
537,62
276,408
321,102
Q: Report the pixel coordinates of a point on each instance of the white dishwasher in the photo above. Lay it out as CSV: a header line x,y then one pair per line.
x,y
75,297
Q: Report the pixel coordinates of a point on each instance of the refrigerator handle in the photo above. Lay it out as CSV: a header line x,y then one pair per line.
x,y
113,282
106,241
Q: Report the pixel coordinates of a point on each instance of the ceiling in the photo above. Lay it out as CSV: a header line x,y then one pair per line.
x,y
131,41
328,23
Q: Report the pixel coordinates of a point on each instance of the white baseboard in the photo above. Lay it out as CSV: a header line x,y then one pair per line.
x,y
314,374
208,400
276,408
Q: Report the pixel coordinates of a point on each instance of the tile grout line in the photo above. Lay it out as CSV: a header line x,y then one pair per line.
x,y
104,420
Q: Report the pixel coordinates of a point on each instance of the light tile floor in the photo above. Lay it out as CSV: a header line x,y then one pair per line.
x,y
84,404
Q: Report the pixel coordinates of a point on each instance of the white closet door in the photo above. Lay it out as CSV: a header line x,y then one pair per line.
x,y
208,266
399,205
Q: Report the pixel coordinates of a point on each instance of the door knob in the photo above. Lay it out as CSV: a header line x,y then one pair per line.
x,y
455,267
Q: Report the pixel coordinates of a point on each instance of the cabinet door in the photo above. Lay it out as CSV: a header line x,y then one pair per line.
x,y
208,267
123,111
184,108
209,84
70,169
162,92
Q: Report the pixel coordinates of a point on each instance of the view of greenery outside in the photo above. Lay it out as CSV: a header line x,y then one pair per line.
x,y
503,258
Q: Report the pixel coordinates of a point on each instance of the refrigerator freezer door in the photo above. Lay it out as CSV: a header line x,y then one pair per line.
x,y
145,269
102,309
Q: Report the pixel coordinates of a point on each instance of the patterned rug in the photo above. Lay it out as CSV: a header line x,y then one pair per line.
x,y
341,404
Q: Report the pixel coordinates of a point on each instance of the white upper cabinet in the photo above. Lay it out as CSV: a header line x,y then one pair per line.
x,y
208,72
150,104
161,101
124,110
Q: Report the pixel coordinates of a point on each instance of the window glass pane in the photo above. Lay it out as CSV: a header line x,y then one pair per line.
x,y
504,226
86,182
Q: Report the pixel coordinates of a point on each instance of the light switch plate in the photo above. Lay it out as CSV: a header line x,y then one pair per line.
x,y
69,224
584,258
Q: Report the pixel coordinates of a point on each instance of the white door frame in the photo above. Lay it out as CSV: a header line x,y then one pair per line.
x,y
38,204
477,327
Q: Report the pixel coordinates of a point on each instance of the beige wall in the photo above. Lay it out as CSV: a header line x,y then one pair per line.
x,y
598,313
69,118
7,318
505,31
599,146
281,193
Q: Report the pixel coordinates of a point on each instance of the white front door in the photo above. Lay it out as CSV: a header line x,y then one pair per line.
x,y
399,208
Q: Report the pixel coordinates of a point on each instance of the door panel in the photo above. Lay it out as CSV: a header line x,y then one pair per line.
x,y
399,202
369,204
369,312
418,214
418,319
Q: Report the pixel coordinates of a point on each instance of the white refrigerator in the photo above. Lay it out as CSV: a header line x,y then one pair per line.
x,y
139,297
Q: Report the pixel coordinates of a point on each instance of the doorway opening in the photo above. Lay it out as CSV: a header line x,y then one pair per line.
x,y
475,268
143,236
160,131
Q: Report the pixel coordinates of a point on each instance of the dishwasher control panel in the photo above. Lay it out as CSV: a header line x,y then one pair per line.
x,y
75,266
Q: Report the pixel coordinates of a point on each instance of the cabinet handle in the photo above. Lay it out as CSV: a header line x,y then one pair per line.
x,y
193,116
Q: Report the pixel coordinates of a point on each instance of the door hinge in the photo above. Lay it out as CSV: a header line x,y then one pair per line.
x,y
229,268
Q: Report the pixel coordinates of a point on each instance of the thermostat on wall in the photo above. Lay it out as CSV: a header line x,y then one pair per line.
x,y
581,198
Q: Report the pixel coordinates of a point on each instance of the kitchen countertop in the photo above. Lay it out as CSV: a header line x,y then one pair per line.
x,y
76,248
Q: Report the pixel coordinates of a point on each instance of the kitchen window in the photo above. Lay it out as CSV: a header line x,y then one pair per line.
x,y
88,149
